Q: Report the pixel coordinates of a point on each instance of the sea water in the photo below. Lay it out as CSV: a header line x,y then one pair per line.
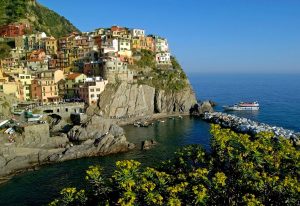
x,y
278,95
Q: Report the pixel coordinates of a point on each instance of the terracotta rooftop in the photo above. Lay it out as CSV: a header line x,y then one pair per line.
x,y
73,76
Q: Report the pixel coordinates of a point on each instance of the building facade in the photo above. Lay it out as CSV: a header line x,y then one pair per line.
x,y
92,88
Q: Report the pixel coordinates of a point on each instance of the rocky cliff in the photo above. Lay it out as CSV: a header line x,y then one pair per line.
x,y
137,100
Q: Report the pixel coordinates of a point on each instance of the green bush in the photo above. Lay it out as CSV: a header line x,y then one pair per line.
x,y
147,59
4,50
239,170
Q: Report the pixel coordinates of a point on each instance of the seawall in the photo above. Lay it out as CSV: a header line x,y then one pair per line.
x,y
244,125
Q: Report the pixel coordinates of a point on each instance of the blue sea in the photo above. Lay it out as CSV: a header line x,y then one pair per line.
x,y
278,95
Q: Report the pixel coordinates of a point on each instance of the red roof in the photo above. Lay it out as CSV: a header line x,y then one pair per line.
x,y
73,76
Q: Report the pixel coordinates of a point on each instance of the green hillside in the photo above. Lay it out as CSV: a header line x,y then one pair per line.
x,y
39,17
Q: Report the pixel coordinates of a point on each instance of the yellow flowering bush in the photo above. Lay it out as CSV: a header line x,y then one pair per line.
x,y
238,170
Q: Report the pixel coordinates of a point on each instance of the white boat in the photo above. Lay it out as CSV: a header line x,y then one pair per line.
x,y
35,118
243,106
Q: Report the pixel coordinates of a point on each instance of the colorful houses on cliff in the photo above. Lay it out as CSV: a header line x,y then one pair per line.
x,y
78,66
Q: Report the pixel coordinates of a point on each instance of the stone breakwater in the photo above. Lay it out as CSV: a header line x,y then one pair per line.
x,y
244,125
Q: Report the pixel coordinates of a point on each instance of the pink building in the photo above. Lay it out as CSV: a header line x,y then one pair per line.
x,y
90,91
45,87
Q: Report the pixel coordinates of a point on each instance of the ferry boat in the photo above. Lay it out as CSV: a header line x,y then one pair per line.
x,y
243,106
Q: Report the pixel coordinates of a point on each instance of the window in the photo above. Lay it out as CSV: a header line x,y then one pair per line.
x,y
92,96
98,90
67,109
91,90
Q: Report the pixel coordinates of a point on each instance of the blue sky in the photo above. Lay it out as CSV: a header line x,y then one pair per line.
x,y
212,36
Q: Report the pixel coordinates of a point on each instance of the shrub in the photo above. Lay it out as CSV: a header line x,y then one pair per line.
x,y
239,170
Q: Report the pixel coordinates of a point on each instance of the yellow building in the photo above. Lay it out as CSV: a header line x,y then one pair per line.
x,y
72,82
25,80
50,45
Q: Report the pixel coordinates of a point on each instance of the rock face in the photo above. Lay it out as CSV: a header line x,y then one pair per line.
x,y
94,128
36,135
174,102
97,137
6,102
127,100
133,100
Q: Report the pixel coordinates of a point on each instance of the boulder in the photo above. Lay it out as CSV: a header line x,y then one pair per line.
x,y
148,144
35,135
201,109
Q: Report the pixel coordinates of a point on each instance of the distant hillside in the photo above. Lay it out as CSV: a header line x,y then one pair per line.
x,y
39,17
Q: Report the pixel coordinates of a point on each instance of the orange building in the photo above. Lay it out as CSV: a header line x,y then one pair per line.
x,y
142,42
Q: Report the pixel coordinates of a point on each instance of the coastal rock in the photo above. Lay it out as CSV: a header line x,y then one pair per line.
x,y
133,100
56,123
148,144
212,103
168,102
200,109
96,137
94,128
127,100
57,142
2,162
35,135
108,144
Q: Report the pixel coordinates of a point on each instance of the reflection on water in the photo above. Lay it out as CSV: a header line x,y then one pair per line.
x,y
39,187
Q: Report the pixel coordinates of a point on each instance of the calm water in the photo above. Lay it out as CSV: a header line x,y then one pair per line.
x,y
279,96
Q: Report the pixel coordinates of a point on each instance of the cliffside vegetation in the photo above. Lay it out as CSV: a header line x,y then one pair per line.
x,y
170,78
39,17
4,50
239,170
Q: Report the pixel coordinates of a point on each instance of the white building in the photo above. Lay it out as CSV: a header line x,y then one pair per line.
x,y
125,47
161,45
110,45
163,58
138,33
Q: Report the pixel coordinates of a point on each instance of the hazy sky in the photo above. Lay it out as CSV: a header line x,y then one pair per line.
x,y
245,36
